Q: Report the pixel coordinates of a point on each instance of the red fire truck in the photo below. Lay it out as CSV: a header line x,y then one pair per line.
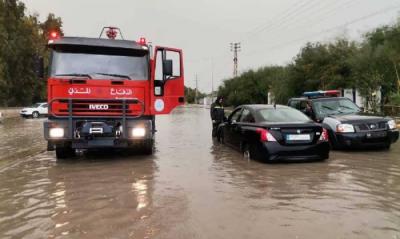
x,y
105,93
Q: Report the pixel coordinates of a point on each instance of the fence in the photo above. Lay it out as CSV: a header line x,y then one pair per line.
x,y
392,110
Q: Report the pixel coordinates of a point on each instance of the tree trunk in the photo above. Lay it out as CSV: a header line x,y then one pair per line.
x,y
397,75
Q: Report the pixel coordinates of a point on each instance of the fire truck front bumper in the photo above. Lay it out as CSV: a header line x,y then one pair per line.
x,y
83,134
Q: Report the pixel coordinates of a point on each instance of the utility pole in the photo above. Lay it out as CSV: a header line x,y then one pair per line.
x,y
212,80
235,48
195,97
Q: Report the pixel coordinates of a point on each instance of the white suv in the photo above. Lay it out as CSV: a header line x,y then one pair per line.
x,y
35,110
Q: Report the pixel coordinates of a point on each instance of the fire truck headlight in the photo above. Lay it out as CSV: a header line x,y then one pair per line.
x,y
56,133
138,132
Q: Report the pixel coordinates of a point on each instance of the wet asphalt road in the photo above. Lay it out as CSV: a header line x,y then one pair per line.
x,y
191,187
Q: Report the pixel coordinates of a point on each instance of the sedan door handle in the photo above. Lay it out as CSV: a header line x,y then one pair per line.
x,y
237,128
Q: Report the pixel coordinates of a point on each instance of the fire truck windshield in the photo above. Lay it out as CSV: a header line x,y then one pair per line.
x,y
99,65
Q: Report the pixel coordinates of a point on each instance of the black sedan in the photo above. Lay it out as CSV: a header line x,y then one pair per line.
x,y
274,133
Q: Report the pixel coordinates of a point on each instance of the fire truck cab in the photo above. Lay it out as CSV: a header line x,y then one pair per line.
x,y
105,93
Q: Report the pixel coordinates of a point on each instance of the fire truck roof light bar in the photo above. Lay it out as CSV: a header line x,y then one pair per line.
x,y
112,32
142,41
54,35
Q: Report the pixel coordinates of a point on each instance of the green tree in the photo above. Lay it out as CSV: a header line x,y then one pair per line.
x,y
368,66
190,95
22,42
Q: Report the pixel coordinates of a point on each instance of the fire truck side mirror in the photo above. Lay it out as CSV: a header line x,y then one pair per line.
x,y
168,68
39,66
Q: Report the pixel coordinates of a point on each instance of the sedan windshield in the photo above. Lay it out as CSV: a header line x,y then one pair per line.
x,y
100,65
283,115
334,106
35,105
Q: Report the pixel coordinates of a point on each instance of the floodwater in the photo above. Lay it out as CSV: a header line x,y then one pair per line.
x,y
191,187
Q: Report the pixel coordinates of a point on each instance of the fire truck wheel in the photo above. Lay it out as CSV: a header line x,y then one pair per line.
x,y
148,147
35,114
64,152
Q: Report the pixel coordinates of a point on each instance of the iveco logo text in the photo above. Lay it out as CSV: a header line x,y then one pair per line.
x,y
98,107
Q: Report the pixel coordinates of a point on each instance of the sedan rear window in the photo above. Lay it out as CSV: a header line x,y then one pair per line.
x,y
283,115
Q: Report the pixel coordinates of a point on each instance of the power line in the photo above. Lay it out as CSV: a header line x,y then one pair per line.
x,y
322,17
310,22
256,29
279,46
296,17
313,11
288,16
287,43
287,13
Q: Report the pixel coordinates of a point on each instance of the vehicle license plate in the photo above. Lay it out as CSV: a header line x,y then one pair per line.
x,y
381,134
298,137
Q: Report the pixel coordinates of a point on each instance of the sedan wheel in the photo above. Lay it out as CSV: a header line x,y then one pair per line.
x,y
220,137
246,152
35,114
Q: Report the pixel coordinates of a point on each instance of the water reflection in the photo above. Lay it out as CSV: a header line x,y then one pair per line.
x,y
354,192
196,188
20,138
140,189
85,198
102,198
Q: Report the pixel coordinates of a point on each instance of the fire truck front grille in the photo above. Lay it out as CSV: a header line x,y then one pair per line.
x,y
97,108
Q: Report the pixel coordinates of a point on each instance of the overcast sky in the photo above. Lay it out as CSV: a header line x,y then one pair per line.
x,y
270,32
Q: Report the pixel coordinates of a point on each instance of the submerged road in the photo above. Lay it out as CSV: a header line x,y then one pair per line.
x,y
191,187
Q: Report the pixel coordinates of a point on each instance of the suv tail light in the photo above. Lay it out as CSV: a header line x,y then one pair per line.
x,y
265,135
324,136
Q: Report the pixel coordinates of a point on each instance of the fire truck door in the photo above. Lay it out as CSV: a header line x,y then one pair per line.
x,y
168,80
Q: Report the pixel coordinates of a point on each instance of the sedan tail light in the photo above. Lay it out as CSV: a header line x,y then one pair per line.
x,y
324,136
265,135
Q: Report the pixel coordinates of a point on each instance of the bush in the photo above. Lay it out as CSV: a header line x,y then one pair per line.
x,y
395,99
